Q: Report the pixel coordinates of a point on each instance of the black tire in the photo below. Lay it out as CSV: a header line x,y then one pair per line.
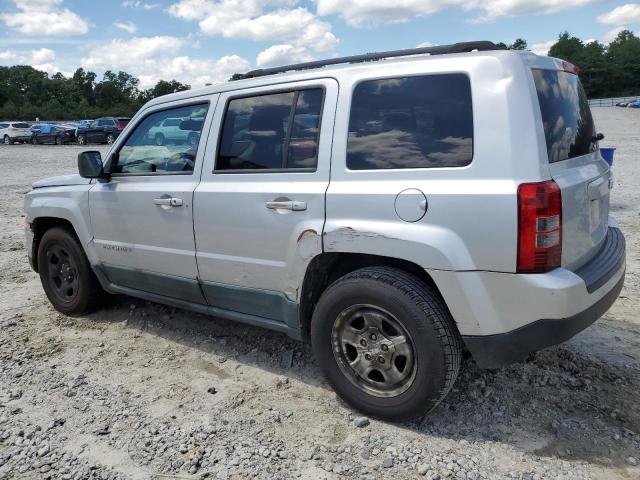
x,y
58,141
82,140
86,294
34,141
7,140
423,316
159,139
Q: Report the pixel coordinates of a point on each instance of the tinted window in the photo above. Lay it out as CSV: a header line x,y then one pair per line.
x,y
566,117
4,125
148,150
20,125
303,141
273,131
411,122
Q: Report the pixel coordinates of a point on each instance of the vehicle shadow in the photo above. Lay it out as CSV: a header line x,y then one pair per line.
x,y
562,402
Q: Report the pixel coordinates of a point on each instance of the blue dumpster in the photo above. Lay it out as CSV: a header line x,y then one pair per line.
x,y
607,154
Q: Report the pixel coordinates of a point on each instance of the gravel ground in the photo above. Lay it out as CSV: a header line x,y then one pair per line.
x,y
142,391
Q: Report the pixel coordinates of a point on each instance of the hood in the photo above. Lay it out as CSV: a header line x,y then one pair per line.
x,y
61,181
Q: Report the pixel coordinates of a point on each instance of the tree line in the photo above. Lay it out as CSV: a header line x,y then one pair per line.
x,y
26,93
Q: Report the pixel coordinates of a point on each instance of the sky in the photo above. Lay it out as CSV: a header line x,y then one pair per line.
x,y
205,41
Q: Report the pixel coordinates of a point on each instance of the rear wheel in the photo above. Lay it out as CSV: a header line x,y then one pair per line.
x,y
7,140
58,141
386,342
65,273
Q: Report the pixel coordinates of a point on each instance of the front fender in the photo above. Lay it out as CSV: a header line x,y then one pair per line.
x,y
70,203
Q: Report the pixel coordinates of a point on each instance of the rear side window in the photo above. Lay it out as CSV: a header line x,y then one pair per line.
x,y
271,132
411,122
566,117
20,125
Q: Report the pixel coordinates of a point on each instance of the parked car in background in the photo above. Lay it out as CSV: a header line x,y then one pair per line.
x,y
102,130
11,132
171,130
36,127
83,124
634,104
53,134
622,104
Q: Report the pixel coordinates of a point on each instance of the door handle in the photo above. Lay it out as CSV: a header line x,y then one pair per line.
x,y
168,201
290,205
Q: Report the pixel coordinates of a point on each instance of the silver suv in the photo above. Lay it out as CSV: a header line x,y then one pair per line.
x,y
394,209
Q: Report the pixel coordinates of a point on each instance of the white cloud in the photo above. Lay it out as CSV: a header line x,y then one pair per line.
x,y
155,58
139,5
625,14
129,27
7,55
138,50
542,48
252,20
509,8
42,55
611,35
363,12
284,54
425,45
44,17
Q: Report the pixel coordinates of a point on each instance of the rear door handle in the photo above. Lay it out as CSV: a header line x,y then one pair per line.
x,y
168,201
290,205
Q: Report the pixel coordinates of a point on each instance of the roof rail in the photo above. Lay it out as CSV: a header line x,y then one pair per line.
x,y
369,57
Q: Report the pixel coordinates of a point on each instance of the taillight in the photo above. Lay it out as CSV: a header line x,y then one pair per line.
x,y
539,227
120,126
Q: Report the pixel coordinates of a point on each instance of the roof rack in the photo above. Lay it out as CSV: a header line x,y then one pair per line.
x,y
461,47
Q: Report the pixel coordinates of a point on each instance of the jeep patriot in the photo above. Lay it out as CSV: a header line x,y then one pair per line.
x,y
394,209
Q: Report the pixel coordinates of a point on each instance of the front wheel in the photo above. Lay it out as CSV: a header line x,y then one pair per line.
x,y
386,342
58,141
82,140
110,139
65,273
7,140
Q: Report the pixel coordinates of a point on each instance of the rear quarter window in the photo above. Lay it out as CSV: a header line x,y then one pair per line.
x,y
566,116
411,122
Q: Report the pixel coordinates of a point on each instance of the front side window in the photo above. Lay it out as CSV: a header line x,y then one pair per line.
x,y
271,132
411,122
154,148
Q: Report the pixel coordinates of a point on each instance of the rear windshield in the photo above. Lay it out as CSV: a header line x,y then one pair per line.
x,y
20,125
568,125
123,121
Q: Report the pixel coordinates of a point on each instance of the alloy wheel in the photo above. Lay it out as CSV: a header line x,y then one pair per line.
x,y
373,350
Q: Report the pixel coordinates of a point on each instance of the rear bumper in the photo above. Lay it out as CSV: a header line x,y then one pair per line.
x,y
493,351
503,317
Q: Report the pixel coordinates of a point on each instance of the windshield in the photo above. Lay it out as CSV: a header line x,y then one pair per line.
x,y
568,126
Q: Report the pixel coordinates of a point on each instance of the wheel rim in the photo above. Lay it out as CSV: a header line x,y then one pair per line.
x,y
110,139
81,140
374,350
62,273
6,140
159,140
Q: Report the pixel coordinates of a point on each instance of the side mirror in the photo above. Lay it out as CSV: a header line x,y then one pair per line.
x,y
90,165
